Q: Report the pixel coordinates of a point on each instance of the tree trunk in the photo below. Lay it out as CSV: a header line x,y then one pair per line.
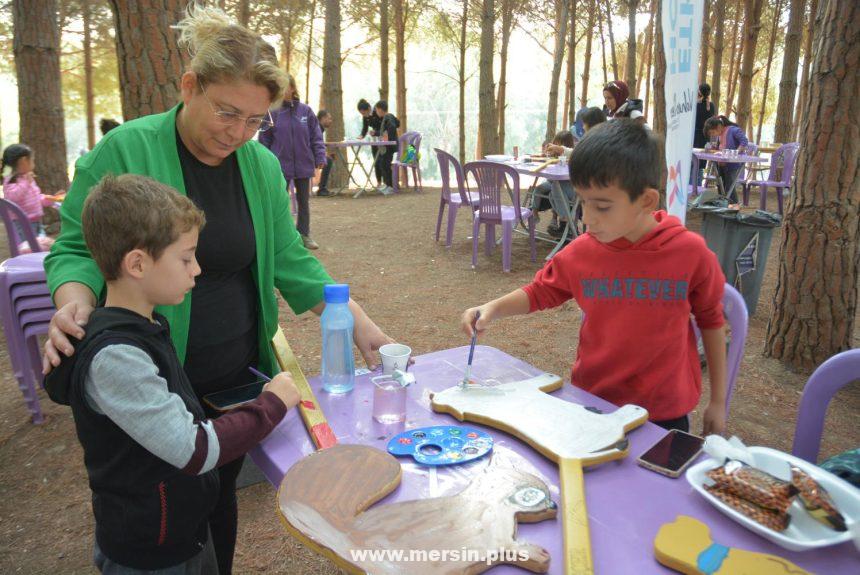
x,y
659,75
630,76
244,12
788,80
36,46
332,89
719,18
570,97
752,26
777,10
650,55
557,61
383,50
487,116
507,26
602,41
645,60
462,78
706,42
807,58
88,75
400,62
150,64
589,32
819,259
310,51
611,41
734,61
287,25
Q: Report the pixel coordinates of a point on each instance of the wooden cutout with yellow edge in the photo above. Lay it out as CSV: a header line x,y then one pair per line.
x,y
685,545
562,431
312,415
324,501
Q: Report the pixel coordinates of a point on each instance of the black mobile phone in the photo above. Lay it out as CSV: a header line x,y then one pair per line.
x,y
235,396
673,453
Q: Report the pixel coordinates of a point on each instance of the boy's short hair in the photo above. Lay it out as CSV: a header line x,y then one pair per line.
x,y
621,152
128,212
322,114
382,105
593,116
564,138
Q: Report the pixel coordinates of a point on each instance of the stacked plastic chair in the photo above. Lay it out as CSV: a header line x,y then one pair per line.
x,y
26,310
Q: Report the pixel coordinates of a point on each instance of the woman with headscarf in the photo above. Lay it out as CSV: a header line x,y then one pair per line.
x,y
615,94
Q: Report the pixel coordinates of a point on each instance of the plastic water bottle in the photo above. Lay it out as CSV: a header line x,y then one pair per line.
x,y
338,365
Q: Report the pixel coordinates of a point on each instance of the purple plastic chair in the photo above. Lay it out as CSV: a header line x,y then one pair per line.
x,y
735,310
491,178
25,310
454,199
10,212
835,373
413,138
779,176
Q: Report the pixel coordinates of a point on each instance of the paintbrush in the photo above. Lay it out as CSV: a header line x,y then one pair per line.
x,y
468,374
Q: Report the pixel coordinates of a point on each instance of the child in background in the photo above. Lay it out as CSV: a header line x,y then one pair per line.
x,y
150,452
730,137
637,274
388,132
561,145
20,186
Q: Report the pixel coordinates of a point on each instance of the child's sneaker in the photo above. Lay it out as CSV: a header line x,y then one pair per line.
x,y
386,191
309,243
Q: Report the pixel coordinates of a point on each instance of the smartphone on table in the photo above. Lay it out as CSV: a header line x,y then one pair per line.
x,y
228,399
673,453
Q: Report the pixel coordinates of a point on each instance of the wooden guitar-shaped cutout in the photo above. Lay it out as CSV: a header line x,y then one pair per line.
x,y
324,502
564,432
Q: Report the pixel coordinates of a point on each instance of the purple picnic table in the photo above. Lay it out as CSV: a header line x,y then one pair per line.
x,y
699,155
554,173
627,504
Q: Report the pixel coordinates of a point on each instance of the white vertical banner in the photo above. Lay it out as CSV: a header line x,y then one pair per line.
x,y
682,36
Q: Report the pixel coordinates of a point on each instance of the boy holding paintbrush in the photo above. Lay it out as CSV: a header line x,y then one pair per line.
x,y
637,274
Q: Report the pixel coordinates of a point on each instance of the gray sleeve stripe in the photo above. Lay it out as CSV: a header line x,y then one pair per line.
x,y
124,384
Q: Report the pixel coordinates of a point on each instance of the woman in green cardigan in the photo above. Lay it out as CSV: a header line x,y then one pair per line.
x,y
204,148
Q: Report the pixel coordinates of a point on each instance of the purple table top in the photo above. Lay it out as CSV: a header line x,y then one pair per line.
x,y
626,503
351,143
725,159
554,172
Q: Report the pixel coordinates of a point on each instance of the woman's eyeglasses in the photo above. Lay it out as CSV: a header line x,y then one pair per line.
x,y
255,123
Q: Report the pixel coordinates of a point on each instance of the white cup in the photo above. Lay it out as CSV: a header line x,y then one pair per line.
x,y
394,356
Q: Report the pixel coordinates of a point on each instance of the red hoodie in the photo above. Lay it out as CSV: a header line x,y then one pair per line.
x,y
636,344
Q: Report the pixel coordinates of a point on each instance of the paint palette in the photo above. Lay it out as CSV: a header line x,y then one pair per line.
x,y
442,444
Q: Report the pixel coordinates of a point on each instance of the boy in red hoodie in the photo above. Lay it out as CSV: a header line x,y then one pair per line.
x,y
637,274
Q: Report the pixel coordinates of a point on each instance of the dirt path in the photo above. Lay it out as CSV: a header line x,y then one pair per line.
x,y
415,289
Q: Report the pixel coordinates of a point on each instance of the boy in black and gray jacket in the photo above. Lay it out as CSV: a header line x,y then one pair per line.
x,y
150,452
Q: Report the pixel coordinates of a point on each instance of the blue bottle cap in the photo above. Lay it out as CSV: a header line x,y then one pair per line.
x,y
336,293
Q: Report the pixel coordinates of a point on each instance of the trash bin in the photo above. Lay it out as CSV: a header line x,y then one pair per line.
x,y
741,242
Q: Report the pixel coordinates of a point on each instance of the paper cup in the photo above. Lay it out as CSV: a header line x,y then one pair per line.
x,y
394,356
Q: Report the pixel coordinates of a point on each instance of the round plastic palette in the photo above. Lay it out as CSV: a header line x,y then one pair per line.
x,y
442,444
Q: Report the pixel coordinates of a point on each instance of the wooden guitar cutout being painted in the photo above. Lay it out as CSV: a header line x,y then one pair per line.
x,y
324,502
564,432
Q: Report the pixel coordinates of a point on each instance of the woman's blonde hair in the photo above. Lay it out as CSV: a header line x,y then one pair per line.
x,y
223,51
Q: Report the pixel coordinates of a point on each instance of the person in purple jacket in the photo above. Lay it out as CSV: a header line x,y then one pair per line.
x,y
731,137
297,141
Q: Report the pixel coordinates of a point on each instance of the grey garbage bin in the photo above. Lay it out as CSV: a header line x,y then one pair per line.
x,y
741,242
